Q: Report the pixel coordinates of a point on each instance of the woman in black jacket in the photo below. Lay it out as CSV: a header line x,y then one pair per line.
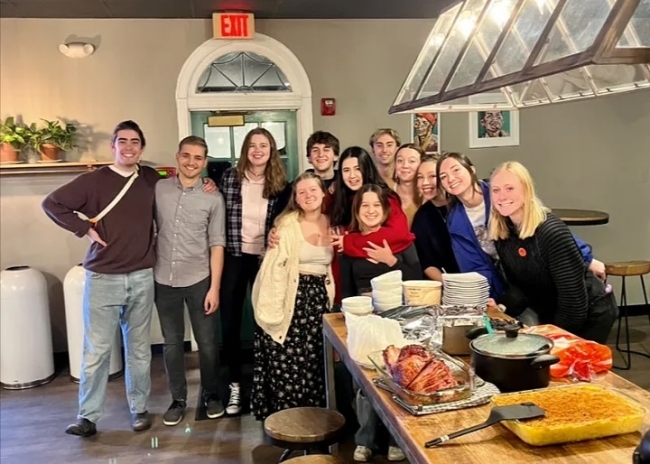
x,y
541,260
429,225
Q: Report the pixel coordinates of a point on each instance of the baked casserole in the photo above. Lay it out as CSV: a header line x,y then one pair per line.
x,y
573,413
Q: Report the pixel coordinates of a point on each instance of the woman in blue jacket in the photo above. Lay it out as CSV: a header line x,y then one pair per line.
x,y
467,221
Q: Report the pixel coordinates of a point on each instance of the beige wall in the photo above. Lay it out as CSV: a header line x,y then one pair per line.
x,y
592,154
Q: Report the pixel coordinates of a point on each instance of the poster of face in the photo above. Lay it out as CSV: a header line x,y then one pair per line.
x,y
426,131
492,127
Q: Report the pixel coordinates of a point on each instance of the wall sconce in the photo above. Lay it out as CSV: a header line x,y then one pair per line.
x,y
77,49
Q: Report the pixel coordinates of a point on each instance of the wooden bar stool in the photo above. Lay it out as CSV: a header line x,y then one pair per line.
x,y
315,459
628,269
311,430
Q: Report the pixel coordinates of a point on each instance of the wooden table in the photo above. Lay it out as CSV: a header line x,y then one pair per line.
x,y
495,444
581,217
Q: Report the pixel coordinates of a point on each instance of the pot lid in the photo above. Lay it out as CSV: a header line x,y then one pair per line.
x,y
512,344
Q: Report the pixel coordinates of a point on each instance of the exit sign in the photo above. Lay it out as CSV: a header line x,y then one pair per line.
x,y
232,25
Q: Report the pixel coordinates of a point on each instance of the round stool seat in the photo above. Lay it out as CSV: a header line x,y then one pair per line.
x,y
316,459
304,425
628,268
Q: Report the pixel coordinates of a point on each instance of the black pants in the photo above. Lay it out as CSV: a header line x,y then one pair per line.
x,y
170,303
238,273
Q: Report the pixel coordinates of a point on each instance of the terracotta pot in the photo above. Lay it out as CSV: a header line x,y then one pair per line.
x,y
49,152
8,153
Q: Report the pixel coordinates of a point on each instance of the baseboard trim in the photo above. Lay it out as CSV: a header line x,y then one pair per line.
x,y
638,310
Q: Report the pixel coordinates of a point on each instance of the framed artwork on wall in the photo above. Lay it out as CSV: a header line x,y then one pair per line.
x,y
495,127
425,131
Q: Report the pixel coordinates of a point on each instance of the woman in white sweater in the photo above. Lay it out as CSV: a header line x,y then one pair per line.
x,y
292,291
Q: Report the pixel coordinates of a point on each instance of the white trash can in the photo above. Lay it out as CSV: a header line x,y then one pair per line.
x,y
26,353
73,294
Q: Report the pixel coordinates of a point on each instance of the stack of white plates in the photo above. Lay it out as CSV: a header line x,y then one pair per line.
x,y
387,291
469,288
357,305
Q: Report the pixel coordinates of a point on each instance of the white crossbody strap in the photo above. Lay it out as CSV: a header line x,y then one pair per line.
x,y
115,201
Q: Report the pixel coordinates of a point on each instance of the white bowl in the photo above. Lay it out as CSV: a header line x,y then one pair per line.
x,y
356,302
391,286
392,276
380,308
397,292
388,300
358,311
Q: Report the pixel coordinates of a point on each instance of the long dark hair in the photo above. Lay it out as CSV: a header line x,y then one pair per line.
x,y
355,224
341,213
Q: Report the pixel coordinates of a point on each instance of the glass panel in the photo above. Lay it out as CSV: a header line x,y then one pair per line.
x,y
428,53
469,67
576,29
461,30
218,140
637,32
523,36
278,131
529,93
486,36
617,78
239,134
568,85
243,72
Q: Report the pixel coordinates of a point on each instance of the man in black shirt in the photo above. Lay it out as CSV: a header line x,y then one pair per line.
x,y
323,153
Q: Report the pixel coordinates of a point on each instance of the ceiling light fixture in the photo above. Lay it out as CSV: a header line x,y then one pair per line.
x,y
522,53
77,49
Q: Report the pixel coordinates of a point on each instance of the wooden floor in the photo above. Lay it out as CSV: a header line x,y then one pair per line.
x,y
32,423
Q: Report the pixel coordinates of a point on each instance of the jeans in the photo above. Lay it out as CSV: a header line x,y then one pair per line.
x,y
109,300
170,302
369,425
241,272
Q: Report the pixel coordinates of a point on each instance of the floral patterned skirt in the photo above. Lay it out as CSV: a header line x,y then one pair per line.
x,y
293,374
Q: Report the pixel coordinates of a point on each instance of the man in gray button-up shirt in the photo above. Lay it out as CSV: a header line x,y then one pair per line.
x,y
189,251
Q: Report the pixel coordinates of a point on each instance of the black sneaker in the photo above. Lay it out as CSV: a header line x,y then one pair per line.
x,y
140,421
213,406
82,428
175,413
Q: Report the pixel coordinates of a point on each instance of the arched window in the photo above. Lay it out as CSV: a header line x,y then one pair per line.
x,y
243,72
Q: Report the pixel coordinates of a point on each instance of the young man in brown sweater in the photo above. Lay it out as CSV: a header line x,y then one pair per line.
x,y
119,289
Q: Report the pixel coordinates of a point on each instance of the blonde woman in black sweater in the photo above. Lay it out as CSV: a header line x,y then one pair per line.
x,y
542,262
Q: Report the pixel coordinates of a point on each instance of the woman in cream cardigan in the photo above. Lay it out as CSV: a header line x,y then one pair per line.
x,y
292,291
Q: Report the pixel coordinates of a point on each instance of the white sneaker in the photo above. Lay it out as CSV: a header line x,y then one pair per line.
x,y
362,454
395,454
234,403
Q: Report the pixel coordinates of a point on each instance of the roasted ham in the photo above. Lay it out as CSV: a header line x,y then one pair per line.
x,y
417,370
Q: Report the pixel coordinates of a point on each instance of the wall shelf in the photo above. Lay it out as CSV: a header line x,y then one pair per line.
x,y
62,167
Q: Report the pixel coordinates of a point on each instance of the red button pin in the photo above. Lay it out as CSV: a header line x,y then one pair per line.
x,y
522,252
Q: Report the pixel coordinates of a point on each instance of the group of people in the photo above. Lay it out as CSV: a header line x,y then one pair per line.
x,y
301,246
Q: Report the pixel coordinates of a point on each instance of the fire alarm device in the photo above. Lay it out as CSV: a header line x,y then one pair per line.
x,y
327,106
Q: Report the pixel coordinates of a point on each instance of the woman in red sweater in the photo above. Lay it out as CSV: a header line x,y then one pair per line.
x,y
357,168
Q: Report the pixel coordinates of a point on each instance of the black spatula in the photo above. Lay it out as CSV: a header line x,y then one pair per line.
x,y
497,414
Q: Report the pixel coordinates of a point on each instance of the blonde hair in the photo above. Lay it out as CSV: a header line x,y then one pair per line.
x,y
293,208
534,210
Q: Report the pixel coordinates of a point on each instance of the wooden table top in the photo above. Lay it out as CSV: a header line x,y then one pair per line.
x,y
494,444
581,217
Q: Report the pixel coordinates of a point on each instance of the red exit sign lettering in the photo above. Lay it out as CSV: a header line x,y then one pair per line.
x,y
230,25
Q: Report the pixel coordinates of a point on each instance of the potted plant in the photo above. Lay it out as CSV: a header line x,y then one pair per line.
x,y
12,140
54,138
